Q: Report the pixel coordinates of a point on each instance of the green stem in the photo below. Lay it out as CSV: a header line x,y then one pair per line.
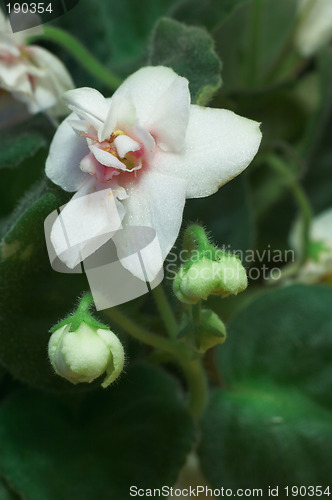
x,y
182,354
195,237
196,313
197,386
142,334
166,311
254,41
85,302
301,199
80,53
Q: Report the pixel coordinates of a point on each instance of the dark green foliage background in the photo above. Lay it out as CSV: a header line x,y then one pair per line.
x,y
268,421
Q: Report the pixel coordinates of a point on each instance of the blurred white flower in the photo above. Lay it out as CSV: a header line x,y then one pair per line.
x,y
30,73
314,25
319,266
152,149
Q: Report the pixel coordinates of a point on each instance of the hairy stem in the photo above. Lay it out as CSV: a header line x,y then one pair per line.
x,y
142,334
195,237
85,302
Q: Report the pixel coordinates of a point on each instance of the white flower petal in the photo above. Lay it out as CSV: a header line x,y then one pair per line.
x,y
14,76
66,151
54,68
90,165
155,201
44,96
315,25
145,88
145,138
89,104
89,220
106,158
121,115
219,146
124,144
82,126
169,122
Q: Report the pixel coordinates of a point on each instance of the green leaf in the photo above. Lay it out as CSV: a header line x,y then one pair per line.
x,y
6,493
32,296
189,51
23,151
17,147
136,433
273,425
234,41
117,32
209,13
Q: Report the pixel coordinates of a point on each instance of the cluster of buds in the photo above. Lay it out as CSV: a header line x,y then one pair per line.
x,y
208,271
81,349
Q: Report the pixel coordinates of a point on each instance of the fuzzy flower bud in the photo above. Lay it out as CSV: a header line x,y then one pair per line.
x,y
211,331
206,277
86,353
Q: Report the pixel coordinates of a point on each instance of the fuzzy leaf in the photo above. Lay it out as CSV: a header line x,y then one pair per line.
x,y
16,148
189,52
32,296
136,433
273,425
209,13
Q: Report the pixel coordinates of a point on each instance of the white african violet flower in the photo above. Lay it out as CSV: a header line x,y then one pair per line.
x,y
30,73
315,25
151,148
319,265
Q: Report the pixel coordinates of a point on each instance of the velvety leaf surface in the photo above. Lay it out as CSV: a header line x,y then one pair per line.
x,y
272,424
32,296
134,433
117,32
189,52
209,13
16,148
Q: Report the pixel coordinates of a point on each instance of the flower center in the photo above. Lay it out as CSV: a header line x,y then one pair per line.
x,y
131,159
119,153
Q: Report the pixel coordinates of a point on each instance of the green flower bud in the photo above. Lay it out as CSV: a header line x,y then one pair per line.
x,y
211,331
205,277
86,353
203,333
